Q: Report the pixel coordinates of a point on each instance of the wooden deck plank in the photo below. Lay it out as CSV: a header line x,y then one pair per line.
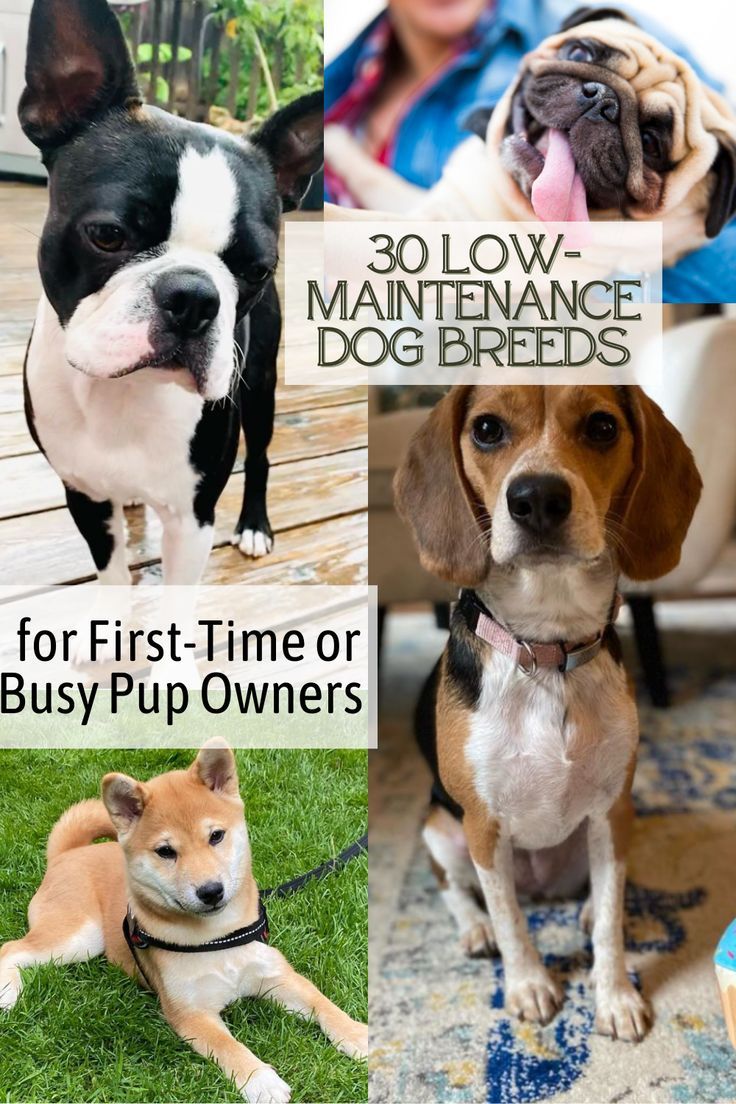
x,y
332,551
21,310
11,393
45,548
310,432
16,332
11,359
15,440
287,398
19,283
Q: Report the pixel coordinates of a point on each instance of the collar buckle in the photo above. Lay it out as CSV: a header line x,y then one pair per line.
x,y
525,649
137,936
576,657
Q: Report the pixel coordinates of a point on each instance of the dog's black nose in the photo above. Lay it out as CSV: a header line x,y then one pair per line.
x,y
211,893
188,300
599,101
540,503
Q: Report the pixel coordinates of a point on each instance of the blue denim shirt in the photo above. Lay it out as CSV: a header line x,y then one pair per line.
x,y
431,127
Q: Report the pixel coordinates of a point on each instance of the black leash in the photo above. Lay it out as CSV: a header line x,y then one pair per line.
x,y
320,871
138,939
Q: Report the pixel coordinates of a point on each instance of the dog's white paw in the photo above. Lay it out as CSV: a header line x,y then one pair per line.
x,y
586,917
355,1043
266,1087
477,941
10,987
533,996
622,1012
253,542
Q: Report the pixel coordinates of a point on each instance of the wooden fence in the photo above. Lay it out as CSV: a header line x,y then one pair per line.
x,y
190,86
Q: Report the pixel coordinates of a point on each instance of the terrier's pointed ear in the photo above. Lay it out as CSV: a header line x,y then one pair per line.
x,y
77,67
125,799
293,141
215,768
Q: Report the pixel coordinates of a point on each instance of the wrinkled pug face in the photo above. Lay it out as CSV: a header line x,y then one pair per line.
x,y
605,121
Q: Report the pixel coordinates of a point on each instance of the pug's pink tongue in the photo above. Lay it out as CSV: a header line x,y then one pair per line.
x,y
558,193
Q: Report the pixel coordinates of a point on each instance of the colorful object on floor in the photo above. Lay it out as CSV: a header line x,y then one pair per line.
x,y
725,963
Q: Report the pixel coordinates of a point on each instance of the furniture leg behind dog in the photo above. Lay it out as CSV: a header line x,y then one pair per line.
x,y
649,648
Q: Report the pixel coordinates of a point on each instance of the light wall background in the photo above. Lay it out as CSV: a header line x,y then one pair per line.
x,y
708,27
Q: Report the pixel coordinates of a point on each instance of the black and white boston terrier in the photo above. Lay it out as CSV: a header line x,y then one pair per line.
x,y
158,330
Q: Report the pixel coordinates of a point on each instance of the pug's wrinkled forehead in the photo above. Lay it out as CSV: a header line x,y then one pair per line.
x,y
656,88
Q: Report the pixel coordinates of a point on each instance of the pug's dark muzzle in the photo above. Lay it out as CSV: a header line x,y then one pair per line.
x,y
595,114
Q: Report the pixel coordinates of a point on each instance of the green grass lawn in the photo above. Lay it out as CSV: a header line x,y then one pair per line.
x,y
86,1032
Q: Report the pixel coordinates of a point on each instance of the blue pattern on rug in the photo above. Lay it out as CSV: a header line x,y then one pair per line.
x,y
526,1063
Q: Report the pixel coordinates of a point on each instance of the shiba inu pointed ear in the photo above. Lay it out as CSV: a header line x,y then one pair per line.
x,y
215,768
125,800
293,141
78,66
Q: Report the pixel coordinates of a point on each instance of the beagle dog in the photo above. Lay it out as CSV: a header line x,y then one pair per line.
x,y
534,500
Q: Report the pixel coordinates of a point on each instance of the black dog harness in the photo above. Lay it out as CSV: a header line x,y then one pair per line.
x,y
138,939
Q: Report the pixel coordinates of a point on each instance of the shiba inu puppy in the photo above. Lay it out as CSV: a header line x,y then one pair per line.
x,y
180,870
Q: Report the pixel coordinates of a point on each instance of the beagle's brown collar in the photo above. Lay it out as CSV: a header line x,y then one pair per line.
x,y
528,657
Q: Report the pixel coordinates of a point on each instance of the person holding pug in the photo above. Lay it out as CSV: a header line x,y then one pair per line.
x,y
407,84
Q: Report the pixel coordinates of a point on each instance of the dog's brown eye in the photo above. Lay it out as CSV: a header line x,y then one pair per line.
x,y
488,431
216,837
256,273
601,428
106,236
650,143
166,852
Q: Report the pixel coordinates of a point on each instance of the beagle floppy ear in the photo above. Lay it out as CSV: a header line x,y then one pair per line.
x,y
434,498
660,499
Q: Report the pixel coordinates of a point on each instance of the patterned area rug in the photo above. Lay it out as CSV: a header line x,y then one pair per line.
x,y
438,1028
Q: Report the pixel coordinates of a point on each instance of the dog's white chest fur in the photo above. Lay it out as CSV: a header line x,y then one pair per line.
x,y
217,980
550,750
117,439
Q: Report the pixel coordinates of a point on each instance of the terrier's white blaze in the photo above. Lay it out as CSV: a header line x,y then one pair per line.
x,y
206,204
